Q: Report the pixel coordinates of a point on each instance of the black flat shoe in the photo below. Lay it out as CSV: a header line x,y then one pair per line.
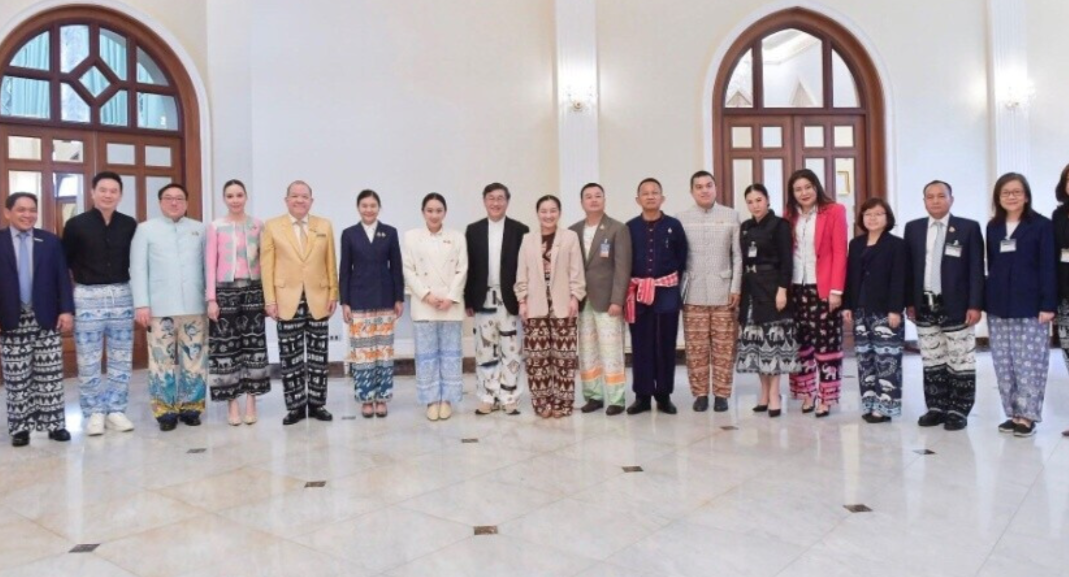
x,y
821,415
61,435
773,413
614,410
701,404
20,439
639,406
955,423
872,419
320,413
168,425
932,419
760,408
720,404
191,420
294,416
1007,426
591,406
811,408
666,406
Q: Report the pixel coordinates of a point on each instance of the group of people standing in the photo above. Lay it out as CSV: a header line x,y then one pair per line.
x,y
766,295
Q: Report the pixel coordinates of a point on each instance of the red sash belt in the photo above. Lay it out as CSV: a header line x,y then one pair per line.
x,y
643,290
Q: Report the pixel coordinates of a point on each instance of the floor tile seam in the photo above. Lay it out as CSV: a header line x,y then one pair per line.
x,y
498,523
47,555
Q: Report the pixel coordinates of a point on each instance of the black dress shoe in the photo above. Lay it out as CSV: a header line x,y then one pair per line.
x,y
293,417
701,404
641,405
168,424
320,413
190,419
932,419
20,439
591,406
720,404
614,410
61,435
873,419
665,406
955,422
760,408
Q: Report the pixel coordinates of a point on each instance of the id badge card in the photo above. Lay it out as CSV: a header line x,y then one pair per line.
x,y
1008,245
1065,255
752,252
953,250
604,249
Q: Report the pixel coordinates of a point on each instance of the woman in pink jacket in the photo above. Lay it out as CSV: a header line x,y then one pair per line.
x,y
819,226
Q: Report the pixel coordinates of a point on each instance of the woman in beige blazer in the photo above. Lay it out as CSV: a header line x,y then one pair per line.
x,y
549,286
435,263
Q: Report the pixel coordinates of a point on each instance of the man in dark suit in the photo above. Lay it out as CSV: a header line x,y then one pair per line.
x,y
944,299
36,305
606,247
489,296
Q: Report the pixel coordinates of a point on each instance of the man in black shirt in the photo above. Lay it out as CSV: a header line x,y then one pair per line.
x,y
97,245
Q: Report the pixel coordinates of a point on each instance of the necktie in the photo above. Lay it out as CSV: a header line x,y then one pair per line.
x,y
303,236
935,280
25,269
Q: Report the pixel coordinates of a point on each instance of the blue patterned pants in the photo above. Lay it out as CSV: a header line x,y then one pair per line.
x,y
879,363
177,365
104,314
1020,349
438,361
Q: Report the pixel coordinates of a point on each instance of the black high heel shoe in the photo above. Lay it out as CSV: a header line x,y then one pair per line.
x,y
760,408
773,413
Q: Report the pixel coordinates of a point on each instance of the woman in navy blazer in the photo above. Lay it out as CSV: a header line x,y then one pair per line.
x,y
1021,301
1060,220
373,298
875,296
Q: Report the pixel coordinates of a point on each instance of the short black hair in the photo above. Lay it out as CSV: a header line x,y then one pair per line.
x,y
590,185
434,196
649,179
701,174
875,202
497,186
107,175
1059,190
232,182
758,188
367,192
950,190
169,186
548,197
1002,213
14,197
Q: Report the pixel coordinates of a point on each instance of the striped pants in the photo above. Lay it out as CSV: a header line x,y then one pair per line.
x,y
104,317
710,334
371,355
551,363
1021,354
820,346
601,356
32,361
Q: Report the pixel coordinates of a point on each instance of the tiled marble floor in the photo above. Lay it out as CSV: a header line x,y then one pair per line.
x,y
402,495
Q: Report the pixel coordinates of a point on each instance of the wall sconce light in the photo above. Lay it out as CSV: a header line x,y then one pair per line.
x,y
1018,93
579,99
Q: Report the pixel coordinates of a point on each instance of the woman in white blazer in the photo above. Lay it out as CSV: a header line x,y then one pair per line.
x,y
435,262
550,282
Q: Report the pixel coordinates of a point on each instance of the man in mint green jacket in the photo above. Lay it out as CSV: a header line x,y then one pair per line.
x,y
167,282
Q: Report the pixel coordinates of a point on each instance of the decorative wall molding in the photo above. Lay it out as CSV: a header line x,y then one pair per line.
x,y
1009,87
577,100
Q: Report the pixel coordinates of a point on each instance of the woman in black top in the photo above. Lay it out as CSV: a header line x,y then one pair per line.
x,y
766,337
1060,219
874,298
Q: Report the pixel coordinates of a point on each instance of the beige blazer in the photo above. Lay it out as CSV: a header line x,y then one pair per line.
x,y
287,271
435,263
566,277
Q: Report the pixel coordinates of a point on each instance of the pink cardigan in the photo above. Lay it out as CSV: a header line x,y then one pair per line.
x,y
221,252
830,244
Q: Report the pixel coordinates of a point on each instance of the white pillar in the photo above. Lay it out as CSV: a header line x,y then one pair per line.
x,y
1010,89
577,101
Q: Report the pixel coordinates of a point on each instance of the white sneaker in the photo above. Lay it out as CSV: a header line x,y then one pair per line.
x,y
119,422
95,426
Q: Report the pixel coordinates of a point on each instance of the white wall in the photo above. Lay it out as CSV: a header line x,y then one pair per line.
x,y
1049,112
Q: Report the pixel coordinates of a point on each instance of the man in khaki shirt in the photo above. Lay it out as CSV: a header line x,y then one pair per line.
x,y
300,279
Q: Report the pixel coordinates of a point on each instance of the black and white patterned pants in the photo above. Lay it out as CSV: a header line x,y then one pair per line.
x,y
302,351
33,376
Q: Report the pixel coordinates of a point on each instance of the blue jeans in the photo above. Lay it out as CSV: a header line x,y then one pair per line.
x,y
104,311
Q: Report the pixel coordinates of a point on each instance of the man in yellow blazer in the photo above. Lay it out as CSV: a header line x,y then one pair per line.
x,y
300,281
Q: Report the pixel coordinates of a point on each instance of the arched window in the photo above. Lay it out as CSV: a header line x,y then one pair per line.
x,y
86,89
798,90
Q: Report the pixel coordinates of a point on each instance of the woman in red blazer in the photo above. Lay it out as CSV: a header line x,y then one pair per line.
x,y
819,227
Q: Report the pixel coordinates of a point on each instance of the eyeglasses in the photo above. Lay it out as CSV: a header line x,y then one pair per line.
x,y
172,199
1011,194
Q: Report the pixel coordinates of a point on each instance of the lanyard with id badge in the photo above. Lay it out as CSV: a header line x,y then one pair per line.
x,y
1008,245
752,251
953,250
603,250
